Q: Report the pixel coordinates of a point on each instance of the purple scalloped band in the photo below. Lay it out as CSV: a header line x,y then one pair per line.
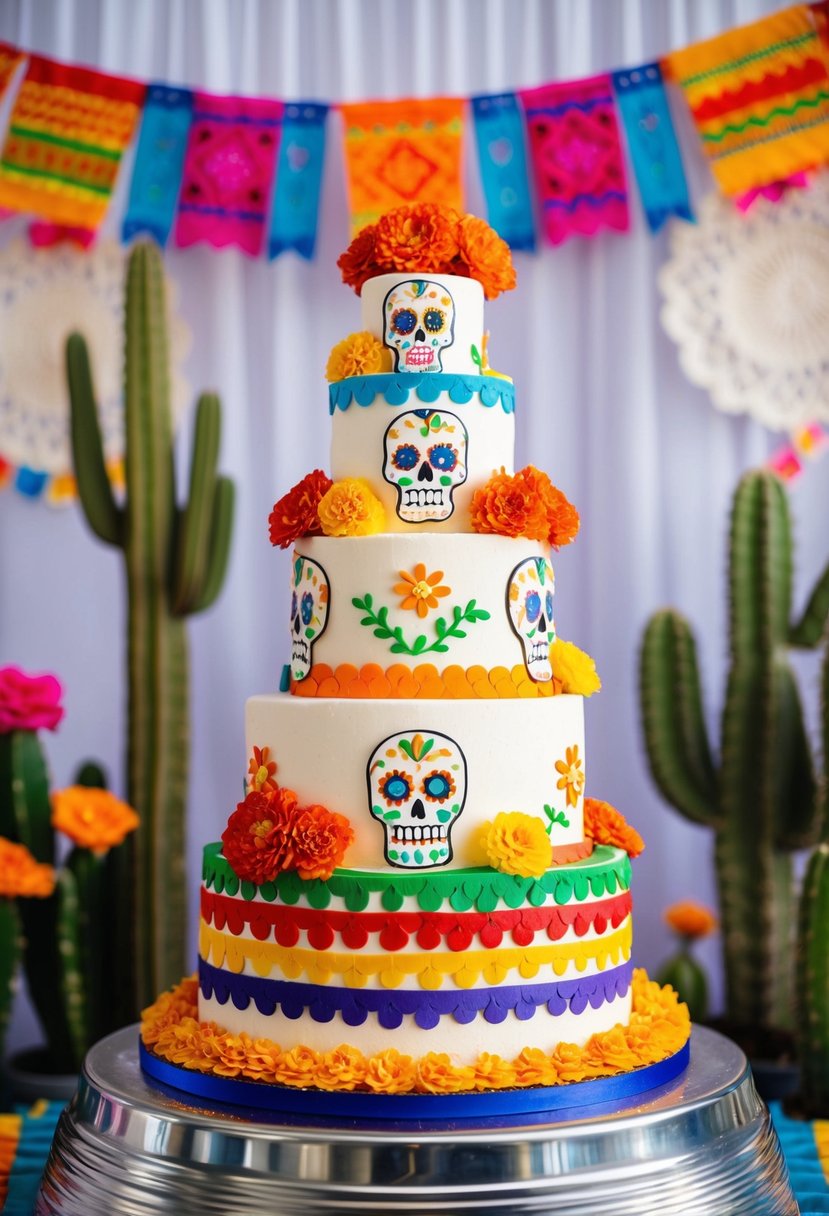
x,y
390,1006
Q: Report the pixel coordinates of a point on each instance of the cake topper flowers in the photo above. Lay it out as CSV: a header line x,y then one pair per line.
x,y
527,504
515,843
295,513
605,825
432,239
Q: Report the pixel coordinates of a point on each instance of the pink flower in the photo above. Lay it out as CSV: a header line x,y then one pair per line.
x,y
28,702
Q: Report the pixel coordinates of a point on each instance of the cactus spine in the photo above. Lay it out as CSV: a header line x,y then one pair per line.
x,y
175,563
760,799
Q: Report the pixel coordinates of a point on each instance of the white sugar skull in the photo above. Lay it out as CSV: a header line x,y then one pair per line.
x,y
530,607
310,599
419,321
417,789
425,457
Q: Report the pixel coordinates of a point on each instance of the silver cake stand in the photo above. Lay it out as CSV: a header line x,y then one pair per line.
x,y
701,1146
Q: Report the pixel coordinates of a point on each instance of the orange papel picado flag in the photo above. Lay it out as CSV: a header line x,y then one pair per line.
x,y
759,96
402,152
69,127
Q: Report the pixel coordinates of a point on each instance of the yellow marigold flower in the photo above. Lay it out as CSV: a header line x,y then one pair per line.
x,y
92,818
492,1072
351,508
574,668
515,843
21,875
359,354
535,1067
690,919
389,1072
572,775
344,1068
436,1074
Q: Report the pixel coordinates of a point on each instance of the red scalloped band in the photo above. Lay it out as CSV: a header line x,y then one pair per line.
x,y
284,922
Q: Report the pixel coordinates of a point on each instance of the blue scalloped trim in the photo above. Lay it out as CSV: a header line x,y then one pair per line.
x,y
427,387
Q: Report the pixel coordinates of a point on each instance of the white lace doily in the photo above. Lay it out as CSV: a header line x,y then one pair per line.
x,y
747,301
45,294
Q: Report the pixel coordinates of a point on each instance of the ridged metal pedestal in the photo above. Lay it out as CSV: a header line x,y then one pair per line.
x,y
701,1146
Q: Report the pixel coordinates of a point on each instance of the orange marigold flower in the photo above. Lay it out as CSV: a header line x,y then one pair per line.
x,y
690,919
257,841
485,256
92,818
509,505
319,839
572,777
422,237
297,1067
420,590
535,1067
391,1073
295,513
21,875
351,508
515,843
436,1074
492,1072
261,770
562,518
344,1068
359,354
604,824
358,263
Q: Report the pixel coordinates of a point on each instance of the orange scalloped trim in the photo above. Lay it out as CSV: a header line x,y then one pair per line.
x,y
401,683
564,853
659,1026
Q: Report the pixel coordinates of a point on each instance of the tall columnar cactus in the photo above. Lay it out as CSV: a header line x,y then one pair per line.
x,y
175,559
760,798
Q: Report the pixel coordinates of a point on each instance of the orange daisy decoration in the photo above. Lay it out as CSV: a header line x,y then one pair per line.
x,y
261,770
420,590
572,775
690,919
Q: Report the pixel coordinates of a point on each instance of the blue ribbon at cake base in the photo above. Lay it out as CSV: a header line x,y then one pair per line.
x,y
284,1100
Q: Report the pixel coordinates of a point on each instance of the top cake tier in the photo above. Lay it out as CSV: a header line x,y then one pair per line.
x,y
428,433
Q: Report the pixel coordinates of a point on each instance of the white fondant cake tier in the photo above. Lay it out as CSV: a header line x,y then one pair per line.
x,y
418,778
424,444
430,323
460,583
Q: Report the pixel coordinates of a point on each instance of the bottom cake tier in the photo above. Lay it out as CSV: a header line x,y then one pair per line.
x,y
461,961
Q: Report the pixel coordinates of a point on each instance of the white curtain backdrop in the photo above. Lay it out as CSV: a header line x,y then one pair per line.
x,y
602,403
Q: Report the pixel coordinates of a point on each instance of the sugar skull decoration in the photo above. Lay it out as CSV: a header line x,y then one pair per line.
x,y
419,321
310,599
530,607
425,458
417,789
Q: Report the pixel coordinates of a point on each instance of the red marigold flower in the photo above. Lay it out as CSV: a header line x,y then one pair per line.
x,y
257,841
319,840
295,514
358,263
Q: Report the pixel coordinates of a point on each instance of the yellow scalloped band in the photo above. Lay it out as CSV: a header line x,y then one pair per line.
x,y
659,1027
465,968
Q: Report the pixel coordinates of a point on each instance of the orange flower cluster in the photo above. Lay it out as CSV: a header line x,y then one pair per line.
x,y
659,1027
269,832
690,919
429,238
92,818
399,682
525,503
606,825
295,514
21,876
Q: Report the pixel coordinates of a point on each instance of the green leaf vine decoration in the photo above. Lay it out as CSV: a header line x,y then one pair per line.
x,y
554,818
378,620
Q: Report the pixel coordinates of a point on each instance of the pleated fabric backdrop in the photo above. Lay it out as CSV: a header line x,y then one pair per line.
x,y
603,404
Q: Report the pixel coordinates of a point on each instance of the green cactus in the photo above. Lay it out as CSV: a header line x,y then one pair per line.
x,y
10,951
175,561
760,799
813,986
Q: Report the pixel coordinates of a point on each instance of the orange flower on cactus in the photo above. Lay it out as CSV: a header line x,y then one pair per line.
x,y
261,770
515,843
509,505
422,237
359,263
604,824
359,354
351,508
319,838
257,841
92,818
486,256
690,919
421,591
295,513
571,779
21,876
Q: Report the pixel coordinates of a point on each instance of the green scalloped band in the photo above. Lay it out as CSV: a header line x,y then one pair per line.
x,y
606,872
